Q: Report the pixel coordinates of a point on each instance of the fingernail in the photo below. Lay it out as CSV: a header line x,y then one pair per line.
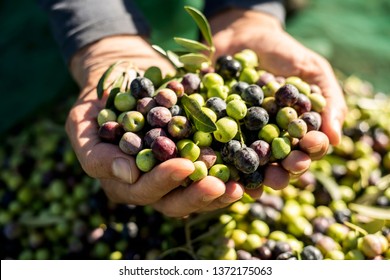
x,y
122,170
337,131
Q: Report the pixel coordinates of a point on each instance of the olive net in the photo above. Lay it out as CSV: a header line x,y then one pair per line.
x,y
354,35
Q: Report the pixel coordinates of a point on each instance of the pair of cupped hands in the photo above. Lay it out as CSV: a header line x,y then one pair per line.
x,y
233,31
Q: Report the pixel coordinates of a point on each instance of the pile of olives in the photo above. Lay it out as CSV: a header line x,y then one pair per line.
x,y
336,210
339,209
49,208
232,121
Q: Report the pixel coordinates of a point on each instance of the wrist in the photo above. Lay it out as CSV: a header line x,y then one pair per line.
x,y
90,62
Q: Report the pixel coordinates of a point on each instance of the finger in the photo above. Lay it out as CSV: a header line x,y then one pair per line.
x,y
315,144
117,170
332,120
234,191
296,162
184,201
336,108
276,177
98,159
151,186
255,193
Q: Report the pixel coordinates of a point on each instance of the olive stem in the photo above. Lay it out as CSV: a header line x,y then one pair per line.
x,y
204,217
175,250
356,228
211,53
240,132
208,233
187,232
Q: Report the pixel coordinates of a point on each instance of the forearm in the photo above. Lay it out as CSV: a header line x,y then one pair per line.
x,y
89,63
75,24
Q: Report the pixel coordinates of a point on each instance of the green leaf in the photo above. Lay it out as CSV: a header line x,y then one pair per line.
x,y
159,50
103,80
373,226
371,211
194,112
329,184
194,59
191,45
384,183
41,221
115,90
154,74
171,56
174,59
370,198
202,24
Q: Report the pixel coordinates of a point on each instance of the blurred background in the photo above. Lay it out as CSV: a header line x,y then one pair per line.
x,y
42,187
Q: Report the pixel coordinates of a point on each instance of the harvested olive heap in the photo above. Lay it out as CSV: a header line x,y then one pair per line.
x,y
338,209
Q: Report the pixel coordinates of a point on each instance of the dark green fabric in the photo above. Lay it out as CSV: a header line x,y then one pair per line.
x,y
168,19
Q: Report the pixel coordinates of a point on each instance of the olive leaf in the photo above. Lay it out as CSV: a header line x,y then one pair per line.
x,y
373,226
371,211
329,184
193,59
116,88
171,56
381,186
194,112
159,50
154,74
191,45
100,88
174,59
202,24
41,221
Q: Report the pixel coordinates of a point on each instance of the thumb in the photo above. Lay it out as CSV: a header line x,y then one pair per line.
x,y
98,159
151,186
107,161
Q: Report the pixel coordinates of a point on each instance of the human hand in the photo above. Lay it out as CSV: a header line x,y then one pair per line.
x,y
280,54
119,176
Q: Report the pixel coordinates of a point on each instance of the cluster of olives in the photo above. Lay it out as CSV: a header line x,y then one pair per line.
x,y
51,210
290,225
231,121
